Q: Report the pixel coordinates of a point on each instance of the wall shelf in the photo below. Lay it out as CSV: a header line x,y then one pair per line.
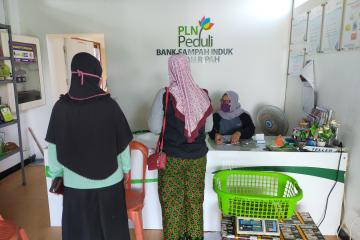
x,y
9,154
16,105
6,81
5,58
2,125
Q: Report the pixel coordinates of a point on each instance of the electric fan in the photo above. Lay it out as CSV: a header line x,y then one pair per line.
x,y
272,121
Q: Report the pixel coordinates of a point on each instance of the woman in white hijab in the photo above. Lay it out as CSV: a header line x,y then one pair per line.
x,y
231,123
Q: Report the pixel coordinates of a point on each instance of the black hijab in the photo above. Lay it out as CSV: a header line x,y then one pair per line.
x,y
89,87
87,125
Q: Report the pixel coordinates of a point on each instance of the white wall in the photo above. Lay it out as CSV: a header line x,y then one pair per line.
x,y
2,12
338,84
257,30
299,2
131,41
337,76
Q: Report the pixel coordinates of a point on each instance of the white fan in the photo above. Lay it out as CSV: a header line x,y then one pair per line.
x,y
272,121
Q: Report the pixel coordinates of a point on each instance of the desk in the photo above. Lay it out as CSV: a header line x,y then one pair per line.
x,y
314,171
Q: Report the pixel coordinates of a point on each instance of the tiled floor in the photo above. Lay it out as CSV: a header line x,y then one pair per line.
x,y
28,206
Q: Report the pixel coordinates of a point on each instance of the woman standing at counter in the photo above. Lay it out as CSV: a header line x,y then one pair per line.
x,y
231,122
181,183
88,137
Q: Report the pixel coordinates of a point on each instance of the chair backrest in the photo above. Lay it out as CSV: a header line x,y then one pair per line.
x,y
138,168
9,231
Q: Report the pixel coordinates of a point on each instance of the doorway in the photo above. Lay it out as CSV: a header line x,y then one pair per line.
x,y
61,49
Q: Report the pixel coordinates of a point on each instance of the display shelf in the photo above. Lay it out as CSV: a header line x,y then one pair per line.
x,y
16,105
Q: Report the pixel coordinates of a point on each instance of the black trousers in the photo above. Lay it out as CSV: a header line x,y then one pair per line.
x,y
95,214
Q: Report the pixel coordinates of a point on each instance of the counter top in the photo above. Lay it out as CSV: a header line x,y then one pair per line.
x,y
149,139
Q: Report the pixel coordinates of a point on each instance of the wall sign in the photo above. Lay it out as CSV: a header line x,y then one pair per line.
x,y
351,36
197,43
332,25
24,52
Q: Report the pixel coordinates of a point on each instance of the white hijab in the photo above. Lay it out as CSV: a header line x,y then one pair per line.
x,y
235,106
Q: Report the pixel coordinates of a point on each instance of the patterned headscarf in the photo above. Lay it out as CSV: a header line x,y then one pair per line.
x,y
192,104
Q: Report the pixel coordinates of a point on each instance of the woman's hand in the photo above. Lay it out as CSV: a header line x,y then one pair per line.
x,y
126,178
235,137
218,138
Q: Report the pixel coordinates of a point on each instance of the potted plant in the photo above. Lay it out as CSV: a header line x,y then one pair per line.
x,y
325,134
321,142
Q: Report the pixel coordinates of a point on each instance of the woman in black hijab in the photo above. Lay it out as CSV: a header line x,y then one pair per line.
x,y
88,137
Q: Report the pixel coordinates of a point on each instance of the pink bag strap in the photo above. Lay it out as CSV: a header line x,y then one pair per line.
x,y
164,121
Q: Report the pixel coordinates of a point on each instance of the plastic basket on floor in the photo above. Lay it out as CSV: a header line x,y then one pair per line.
x,y
256,194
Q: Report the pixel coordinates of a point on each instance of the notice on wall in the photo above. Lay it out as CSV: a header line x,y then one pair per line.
x,y
314,30
296,63
332,26
298,32
351,34
24,52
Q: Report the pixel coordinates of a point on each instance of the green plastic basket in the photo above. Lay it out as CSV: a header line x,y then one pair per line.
x,y
256,194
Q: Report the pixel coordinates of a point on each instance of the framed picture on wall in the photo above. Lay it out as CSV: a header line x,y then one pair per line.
x,y
28,72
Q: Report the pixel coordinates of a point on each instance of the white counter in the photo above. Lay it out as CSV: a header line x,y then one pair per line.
x,y
315,173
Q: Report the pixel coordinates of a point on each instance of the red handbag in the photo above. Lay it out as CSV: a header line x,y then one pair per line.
x,y
157,160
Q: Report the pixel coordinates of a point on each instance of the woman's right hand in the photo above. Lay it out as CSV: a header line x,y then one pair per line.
x,y
218,138
126,178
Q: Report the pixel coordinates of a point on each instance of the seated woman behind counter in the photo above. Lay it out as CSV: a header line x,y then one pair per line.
x,y
231,122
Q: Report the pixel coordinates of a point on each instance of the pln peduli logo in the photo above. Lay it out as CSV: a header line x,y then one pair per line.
x,y
190,36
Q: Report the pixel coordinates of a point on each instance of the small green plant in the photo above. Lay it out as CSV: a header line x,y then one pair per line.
x,y
313,130
327,133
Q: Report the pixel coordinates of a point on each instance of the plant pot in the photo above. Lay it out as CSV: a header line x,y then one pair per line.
x,y
321,144
310,142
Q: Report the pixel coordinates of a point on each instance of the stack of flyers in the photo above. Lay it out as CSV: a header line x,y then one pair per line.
x,y
246,237
306,217
299,218
228,226
320,115
300,227
290,231
311,232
